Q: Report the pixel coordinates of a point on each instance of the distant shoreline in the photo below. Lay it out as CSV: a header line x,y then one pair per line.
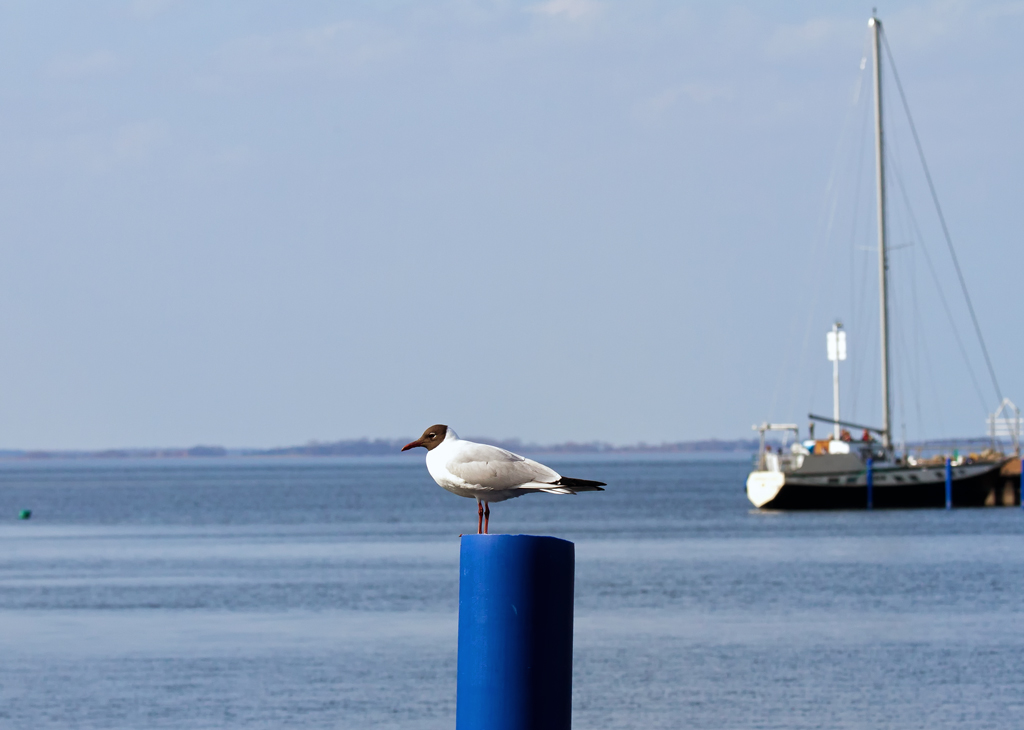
x,y
386,447
383,447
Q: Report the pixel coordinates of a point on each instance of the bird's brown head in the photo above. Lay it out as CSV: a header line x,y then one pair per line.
x,y
430,439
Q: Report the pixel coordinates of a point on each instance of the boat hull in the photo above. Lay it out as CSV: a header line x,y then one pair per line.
x,y
974,485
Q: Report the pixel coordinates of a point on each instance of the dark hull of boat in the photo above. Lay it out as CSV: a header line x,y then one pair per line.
x,y
988,488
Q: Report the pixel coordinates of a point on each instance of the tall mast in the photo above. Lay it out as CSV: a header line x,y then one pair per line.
x,y
883,262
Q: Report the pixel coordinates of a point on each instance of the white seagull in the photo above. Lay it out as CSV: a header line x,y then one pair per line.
x,y
489,474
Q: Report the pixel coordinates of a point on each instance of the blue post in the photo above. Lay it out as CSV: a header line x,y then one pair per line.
x,y
515,633
949,484
871,483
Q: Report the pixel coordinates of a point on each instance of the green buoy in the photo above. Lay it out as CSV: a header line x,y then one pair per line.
x,y
25,514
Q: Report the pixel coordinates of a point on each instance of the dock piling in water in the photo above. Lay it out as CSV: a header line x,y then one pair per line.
x,y
871,482
949,483
515,633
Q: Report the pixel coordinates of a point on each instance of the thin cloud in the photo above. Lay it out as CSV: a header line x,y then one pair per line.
x,y
129,145
75,68
333,48
656,107
1003,10
568,9
796,40
149,8
137,143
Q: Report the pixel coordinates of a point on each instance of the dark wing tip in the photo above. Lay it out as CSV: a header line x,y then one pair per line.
x,y
571,482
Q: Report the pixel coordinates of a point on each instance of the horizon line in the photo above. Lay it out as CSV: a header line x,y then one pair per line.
x,y
383,446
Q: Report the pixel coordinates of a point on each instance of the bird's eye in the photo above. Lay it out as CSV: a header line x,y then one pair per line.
x,y
431,435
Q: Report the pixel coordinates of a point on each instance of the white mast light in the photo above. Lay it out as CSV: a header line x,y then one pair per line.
x,y
836,344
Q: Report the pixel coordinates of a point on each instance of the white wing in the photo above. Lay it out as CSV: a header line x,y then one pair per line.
x,y
493,468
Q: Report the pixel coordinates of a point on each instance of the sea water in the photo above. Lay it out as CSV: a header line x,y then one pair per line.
x,y
322,593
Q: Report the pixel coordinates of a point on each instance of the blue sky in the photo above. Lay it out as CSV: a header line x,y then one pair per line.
x,y
253,223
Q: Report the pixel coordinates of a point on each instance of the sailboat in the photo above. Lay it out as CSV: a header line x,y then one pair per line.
x,y
840,472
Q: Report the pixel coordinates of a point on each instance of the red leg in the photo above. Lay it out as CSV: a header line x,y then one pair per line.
x,y
487,516
479,516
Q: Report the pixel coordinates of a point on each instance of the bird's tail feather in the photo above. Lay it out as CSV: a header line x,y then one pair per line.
x,y
566,485
581,485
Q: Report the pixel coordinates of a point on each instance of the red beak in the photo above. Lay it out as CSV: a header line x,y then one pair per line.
x,y
411,445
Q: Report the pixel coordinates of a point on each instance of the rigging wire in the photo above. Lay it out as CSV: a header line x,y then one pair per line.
x,y
942,219
915,319
938,287
827,219
906,360
900,352
922,342
858,297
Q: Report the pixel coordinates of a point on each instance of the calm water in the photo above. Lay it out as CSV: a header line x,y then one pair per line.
x,y
323,594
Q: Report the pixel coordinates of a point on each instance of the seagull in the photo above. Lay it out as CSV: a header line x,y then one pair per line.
x,y
489,474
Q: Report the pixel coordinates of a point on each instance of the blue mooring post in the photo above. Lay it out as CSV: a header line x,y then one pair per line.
x,y
515,633
871,483
949,483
